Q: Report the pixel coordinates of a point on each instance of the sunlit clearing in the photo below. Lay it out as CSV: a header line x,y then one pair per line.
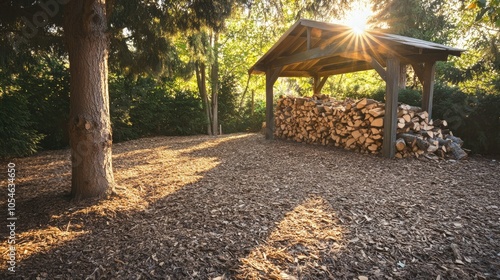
x,y
38,241
302,244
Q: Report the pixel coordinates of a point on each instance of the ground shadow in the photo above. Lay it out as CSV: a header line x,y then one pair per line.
x,y
209,207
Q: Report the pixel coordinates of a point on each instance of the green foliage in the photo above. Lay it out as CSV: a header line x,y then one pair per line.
x,y
42,90
410,97
148,107
18,137
228,95
406,96
474,118
452,105
425,19
234,119
482,132
46,87
254,115
486,10
146,55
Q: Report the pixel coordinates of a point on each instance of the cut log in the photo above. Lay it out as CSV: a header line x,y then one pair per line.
x,y
457,140
378,122
456,151
358,126
363,102
400,144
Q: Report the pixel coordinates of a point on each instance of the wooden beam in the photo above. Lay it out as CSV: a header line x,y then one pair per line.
x,y
315,53
391,107
428,87
296,73
271,77
379,68
363,56
319,83
294,45
308,38
419,71
347,68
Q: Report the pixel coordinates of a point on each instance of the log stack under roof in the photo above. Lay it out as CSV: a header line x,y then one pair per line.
x,y
358,126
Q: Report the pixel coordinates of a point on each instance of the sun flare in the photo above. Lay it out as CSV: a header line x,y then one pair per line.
x,y
357,18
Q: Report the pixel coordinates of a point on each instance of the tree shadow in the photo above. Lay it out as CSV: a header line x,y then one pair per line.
x,y
198,230
210,208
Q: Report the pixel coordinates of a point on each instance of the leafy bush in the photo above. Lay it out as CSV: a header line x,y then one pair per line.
x,y
481,132
19,138
228,107
407,96
234,119
452,105
186,113
148,107
46,88
474,118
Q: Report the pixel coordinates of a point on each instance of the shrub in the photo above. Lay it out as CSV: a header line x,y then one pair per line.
x,y
19,138
407,96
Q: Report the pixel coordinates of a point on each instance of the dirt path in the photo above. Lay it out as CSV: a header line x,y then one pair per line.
x,y
240,207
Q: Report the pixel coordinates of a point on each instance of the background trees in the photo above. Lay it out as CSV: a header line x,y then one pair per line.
x,y
165,66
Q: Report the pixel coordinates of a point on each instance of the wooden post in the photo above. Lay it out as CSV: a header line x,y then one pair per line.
x,y
428,86
318,84
402,76
271,77
391,107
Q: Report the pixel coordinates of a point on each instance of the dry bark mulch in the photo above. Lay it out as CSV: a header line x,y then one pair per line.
x,y
240,207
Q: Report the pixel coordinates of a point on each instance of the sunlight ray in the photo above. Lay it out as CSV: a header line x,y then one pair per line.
x,y
305,235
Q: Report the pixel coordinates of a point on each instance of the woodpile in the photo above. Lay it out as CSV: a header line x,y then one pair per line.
x,y
358,126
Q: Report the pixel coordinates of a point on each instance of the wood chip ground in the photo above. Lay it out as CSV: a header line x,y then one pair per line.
x,y
240,207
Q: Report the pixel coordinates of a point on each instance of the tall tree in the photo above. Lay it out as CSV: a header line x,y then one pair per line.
x,y
85,26
139,30
423,19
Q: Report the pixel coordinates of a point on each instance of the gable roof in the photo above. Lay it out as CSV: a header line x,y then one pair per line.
x,y
311,48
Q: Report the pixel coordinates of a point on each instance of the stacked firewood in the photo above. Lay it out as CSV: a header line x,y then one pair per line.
x,y
358,126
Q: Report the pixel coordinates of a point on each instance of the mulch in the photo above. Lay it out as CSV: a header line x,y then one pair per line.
x,y
240,207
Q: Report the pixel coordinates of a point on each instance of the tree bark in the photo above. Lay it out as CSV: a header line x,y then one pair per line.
x,y
215,84
201,74
85,27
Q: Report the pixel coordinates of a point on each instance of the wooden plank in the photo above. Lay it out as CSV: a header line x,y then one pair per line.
x,y
402,76
271,77
319,82
428,87
391,107
419,71
296,44
316,53
360,66
308,38
363,56
257,67
380,70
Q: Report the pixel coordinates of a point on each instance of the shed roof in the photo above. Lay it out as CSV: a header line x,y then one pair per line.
x,y
317,49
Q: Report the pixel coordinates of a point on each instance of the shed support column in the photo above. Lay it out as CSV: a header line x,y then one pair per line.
x,y
318,84
271,77
402,76
391,107
428,86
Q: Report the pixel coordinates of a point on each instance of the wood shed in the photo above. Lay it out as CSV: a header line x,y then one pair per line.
x,y
319,50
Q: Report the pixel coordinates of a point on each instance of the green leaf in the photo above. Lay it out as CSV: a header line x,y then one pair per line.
x,y
481,13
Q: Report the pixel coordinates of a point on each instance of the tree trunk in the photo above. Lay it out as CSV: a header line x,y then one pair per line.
x,y
215,84
201,74
85,28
